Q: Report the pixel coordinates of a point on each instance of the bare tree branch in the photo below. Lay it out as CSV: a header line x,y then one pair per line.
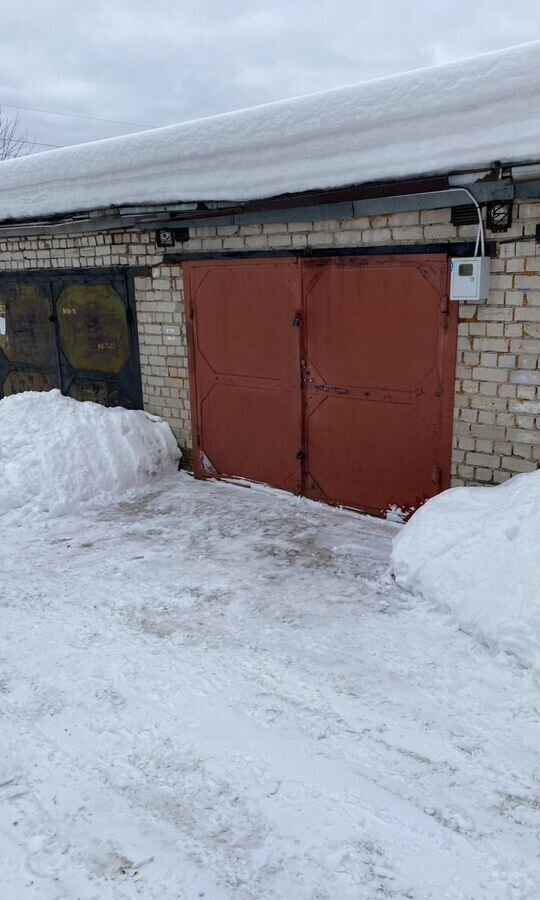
x,y
13,139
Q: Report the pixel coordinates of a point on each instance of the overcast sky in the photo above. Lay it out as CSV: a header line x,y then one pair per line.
x,y
157,62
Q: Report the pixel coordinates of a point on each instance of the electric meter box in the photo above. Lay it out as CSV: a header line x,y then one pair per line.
x,y
469,278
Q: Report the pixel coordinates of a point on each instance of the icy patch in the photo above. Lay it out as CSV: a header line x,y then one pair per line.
x,y
57,453
476,551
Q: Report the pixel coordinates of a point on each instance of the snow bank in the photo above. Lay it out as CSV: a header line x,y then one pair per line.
x,y
462,115
57,453
477,552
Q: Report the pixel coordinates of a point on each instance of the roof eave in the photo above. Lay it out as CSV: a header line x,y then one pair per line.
x,y
490,183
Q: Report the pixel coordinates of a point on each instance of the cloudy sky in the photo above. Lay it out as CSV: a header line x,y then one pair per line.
x,y
155,62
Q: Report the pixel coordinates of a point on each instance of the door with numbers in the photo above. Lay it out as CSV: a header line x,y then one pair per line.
x,y
76,333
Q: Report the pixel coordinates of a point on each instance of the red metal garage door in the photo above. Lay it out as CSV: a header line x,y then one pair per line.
x,y
328,377
246,393
378,380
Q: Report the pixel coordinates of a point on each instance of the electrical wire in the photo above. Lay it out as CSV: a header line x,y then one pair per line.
x,y
52,112
480,233
39,144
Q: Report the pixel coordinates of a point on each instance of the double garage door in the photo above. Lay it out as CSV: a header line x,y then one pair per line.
x,y
331,378
76,333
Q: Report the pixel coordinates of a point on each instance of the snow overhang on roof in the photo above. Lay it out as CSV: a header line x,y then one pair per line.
x,y
459,116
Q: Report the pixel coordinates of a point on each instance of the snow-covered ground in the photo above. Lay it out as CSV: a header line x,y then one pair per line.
x,y
214,692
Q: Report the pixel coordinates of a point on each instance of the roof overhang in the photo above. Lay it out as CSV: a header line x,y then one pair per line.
x,y
435,192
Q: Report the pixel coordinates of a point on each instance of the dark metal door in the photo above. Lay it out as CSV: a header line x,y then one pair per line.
x,y
244,320
28,356
74,332
379,367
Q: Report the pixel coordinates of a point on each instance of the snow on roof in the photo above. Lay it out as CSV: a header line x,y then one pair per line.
x,y
436,120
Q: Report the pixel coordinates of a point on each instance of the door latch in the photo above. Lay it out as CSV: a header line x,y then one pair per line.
x,y
296,322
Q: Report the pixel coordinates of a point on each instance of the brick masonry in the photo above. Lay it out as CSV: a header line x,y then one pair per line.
x,y
497,400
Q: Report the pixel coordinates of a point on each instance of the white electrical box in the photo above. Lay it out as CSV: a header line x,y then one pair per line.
x,y
469,278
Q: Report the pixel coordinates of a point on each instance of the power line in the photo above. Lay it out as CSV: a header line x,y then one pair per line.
x,y
40,144
52,112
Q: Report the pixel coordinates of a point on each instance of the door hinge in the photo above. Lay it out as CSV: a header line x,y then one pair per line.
x,y
436,474
300,455
297,321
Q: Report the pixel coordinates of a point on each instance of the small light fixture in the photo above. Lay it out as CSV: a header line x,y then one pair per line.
x,y
165,237
499,215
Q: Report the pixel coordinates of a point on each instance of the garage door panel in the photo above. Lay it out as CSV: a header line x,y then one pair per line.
x,y
376,342
372,313
250,433
16,382
26,330
366,455
93,328
244,321
245,370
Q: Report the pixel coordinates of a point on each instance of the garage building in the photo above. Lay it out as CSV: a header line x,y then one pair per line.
x,y
275,283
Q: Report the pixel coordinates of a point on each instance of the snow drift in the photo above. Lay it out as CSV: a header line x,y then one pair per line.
x,y
436,120
476,551
57,453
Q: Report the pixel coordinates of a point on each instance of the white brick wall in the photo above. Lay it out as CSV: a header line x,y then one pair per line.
x,y
497,402
162,347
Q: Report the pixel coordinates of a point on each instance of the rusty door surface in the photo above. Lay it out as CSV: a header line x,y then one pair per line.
x,y
244,321
378,380
328,377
